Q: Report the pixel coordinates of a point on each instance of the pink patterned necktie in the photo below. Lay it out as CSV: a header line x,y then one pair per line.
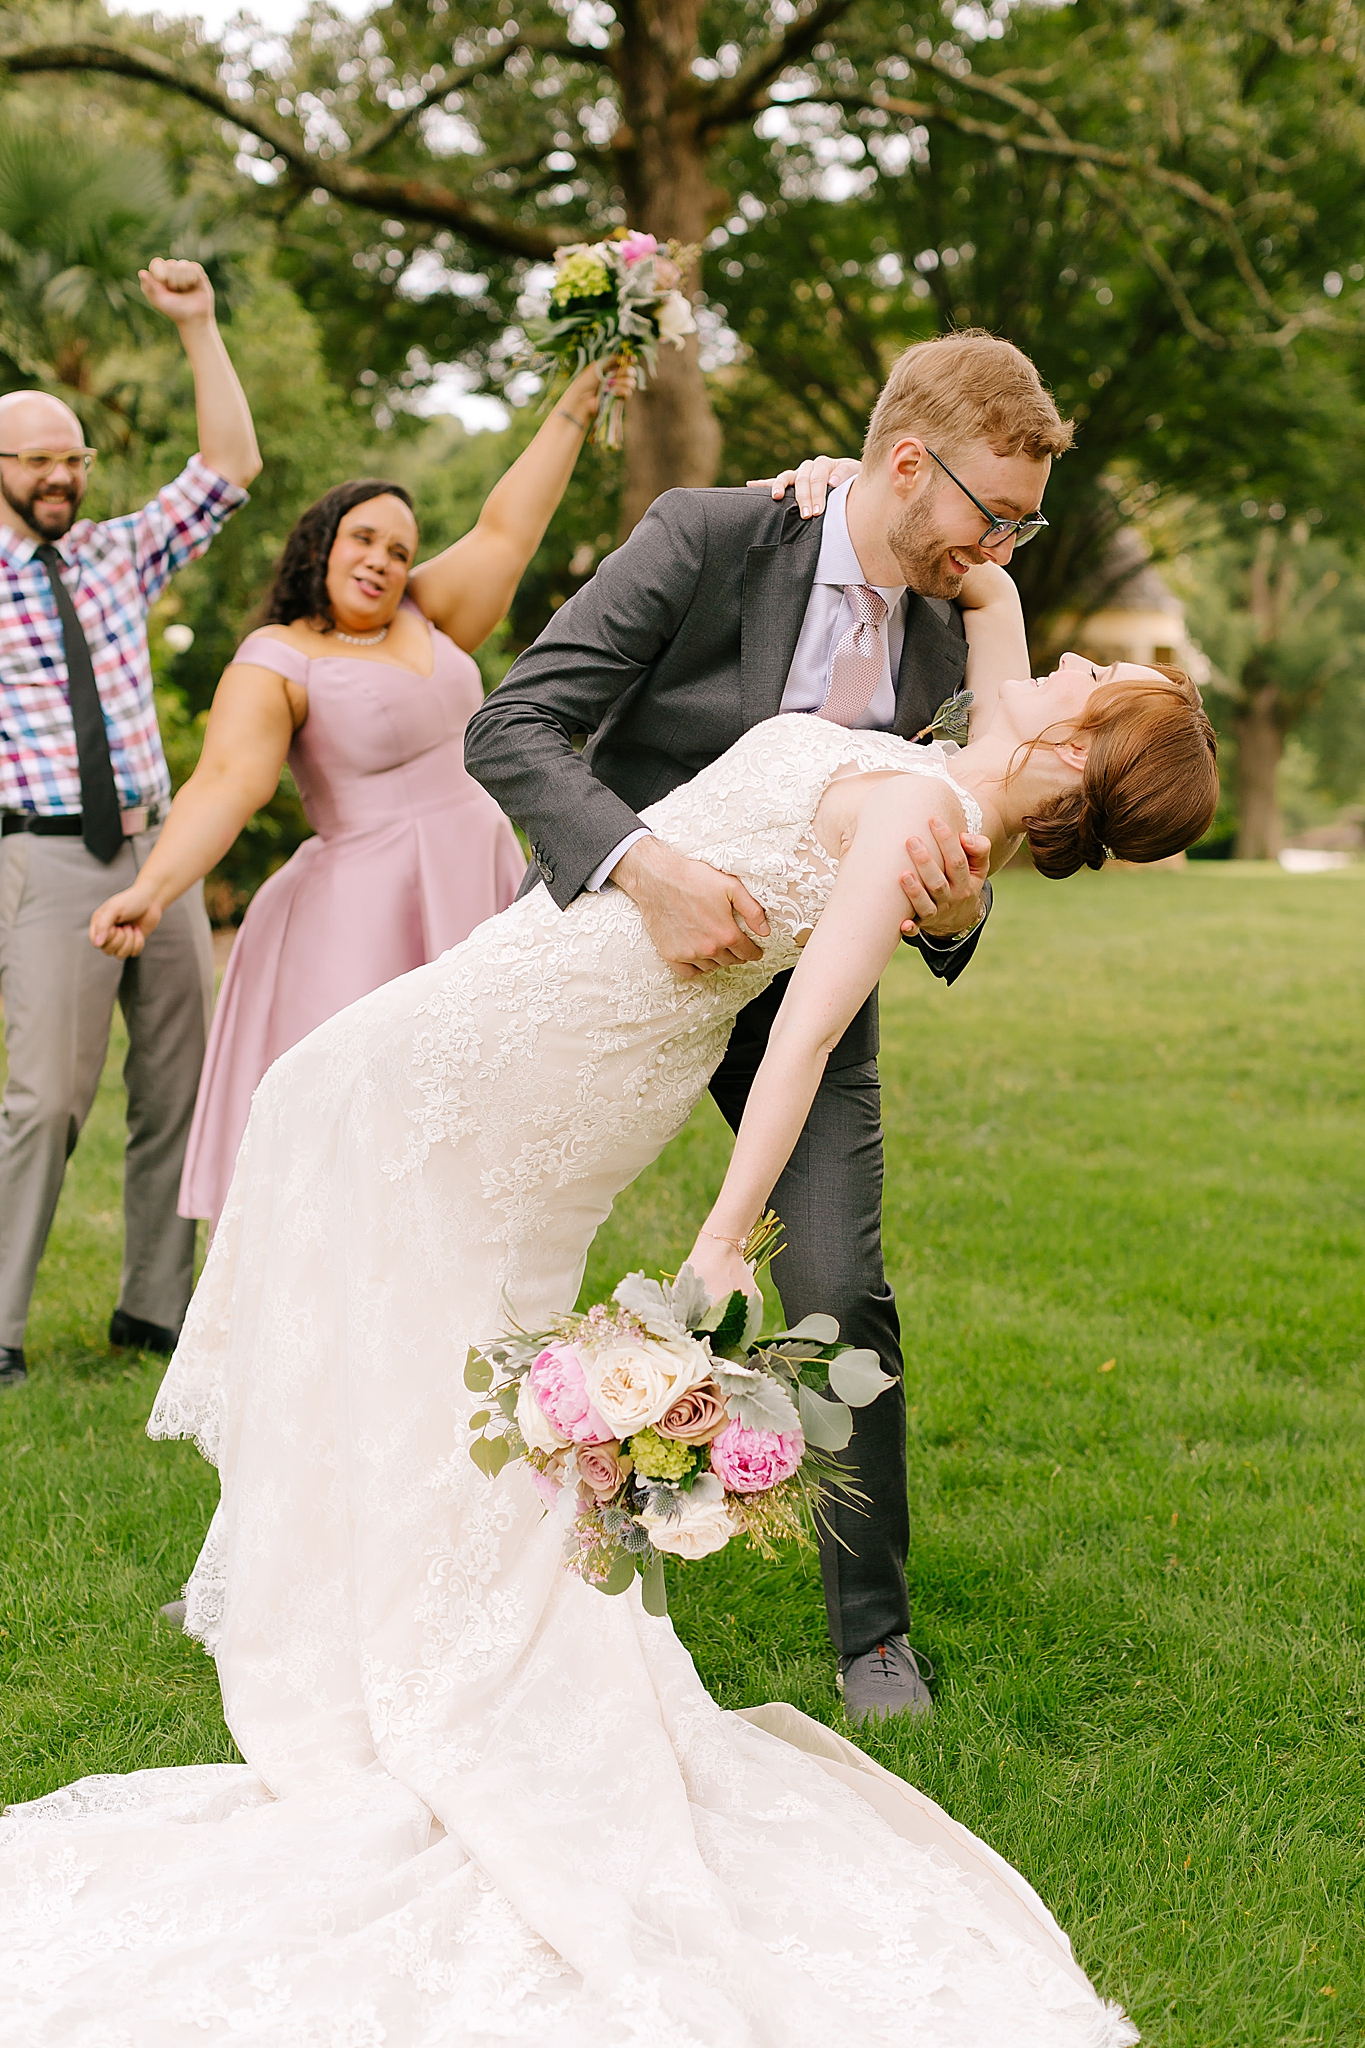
x,y
859,662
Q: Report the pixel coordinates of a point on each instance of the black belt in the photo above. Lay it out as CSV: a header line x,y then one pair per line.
x,y
69,825
46,828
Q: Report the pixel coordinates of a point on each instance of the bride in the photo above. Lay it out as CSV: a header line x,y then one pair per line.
x,y
481,1802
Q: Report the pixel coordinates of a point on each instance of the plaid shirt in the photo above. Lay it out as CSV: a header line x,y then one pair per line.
x,y
117,570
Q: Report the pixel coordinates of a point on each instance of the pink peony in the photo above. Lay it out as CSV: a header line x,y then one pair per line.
x,y
635,246
752,1460
557,1382
546,1487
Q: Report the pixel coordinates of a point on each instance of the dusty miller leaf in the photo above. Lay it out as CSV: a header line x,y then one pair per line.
x,y
690,1299
641,1296
757,1400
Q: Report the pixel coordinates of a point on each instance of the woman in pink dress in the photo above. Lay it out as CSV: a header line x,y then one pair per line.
x,y
361,676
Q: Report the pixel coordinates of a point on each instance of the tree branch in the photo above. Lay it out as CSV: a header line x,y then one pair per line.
x,y
414,199
492,61
734,99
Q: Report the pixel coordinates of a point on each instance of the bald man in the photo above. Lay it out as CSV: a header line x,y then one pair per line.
x,y
83,788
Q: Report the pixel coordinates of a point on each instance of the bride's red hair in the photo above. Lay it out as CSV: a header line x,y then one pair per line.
x,y
1150,783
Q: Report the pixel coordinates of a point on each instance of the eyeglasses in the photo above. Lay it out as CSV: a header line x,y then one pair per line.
x,y
38,462
998,531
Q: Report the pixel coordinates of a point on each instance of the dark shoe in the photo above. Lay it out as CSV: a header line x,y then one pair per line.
x,y
173,1613
13,1369
886,1679
130,1333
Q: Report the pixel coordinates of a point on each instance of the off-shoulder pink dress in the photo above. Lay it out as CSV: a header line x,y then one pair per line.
x,y
410,855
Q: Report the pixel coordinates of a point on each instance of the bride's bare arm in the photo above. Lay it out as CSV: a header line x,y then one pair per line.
x,y
842,963
997,645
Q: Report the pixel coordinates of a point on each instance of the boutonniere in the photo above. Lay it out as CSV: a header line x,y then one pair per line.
x,y
949,722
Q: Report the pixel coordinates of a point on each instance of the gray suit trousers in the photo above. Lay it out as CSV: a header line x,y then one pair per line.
x,y
830,1201
59,996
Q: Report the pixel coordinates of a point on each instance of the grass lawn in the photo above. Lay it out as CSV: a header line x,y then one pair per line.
x,y
1125,1220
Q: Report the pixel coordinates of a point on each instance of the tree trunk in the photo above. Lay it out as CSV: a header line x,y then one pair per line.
x,y
672,435
1260,743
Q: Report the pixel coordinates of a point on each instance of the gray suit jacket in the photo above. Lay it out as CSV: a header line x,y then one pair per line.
x,y
681,642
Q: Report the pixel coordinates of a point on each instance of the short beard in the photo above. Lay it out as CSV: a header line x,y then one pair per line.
x,y
51,523
921,550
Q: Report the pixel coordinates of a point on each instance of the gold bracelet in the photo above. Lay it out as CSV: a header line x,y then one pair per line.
x,y
560,414
738,1243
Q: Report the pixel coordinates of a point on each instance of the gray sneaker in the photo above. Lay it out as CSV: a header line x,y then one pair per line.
x,y
887,1679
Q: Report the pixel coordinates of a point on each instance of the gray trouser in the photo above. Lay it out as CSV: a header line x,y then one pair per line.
x,y
58,995
830,1201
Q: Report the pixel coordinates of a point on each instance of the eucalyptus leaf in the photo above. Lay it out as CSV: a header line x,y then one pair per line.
x,y
757,1401
826,1424
481,1451
499,1451
478,1373
621,1575
482,1419
653,1591
857,1377
506,1398
819,1329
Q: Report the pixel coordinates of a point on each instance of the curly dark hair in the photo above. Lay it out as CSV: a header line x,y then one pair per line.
x,y
298,589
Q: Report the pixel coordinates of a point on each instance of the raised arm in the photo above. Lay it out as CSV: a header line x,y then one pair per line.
x,y
997,645
227,438
468,588
249,730
842,963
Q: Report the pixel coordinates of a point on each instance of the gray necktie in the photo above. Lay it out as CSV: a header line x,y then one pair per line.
x,y
101,825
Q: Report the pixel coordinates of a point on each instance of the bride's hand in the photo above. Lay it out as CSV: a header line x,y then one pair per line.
x,y
720,1268
814,479
597,382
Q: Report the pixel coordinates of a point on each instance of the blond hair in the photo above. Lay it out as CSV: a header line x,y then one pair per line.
x,y
962,388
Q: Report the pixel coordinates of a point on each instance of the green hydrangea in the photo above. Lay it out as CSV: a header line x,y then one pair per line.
x,y
656,1458
580,276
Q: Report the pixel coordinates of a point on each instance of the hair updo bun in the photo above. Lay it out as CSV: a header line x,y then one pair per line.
x,y
1150,783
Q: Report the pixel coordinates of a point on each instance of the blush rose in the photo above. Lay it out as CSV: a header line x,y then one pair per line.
x,y
696,1416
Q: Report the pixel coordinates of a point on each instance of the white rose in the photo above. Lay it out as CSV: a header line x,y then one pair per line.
x,y
703,1524
675,318
534,1424
633,1384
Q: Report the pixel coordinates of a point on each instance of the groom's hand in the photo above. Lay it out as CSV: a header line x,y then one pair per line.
x,y
944,881
689,909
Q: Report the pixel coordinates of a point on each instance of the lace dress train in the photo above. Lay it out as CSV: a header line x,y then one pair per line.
x,y
482,1803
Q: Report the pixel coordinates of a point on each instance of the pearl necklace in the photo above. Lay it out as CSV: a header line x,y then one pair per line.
x,y
360,639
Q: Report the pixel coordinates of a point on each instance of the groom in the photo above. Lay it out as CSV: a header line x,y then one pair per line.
x,y
723,609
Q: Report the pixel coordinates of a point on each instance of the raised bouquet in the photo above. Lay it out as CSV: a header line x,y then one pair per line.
x,y
613,302
659,1424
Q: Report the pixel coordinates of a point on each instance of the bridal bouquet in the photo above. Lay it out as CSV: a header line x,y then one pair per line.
x,y
658,1423
613,302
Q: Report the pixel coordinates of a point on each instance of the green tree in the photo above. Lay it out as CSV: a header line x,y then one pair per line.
x,y
1212,148
1282,613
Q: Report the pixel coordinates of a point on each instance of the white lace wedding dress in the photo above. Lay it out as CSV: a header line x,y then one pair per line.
x,y
481,1802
